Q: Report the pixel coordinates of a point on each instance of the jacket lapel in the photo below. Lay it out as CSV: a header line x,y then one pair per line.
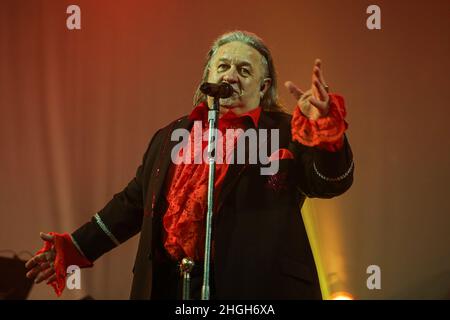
x,y
163,161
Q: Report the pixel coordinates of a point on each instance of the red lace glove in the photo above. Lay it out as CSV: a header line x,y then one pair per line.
x,y
325,133
66,254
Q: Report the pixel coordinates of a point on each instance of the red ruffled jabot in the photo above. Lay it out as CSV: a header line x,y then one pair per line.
x,y
66,255
184,220
327,132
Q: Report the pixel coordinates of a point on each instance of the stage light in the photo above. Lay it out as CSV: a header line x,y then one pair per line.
x,y
341,295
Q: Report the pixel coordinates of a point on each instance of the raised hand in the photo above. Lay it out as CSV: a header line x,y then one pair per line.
x,y
314,103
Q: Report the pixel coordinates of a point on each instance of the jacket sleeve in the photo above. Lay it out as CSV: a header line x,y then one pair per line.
x,y
322,154
322,173
121,218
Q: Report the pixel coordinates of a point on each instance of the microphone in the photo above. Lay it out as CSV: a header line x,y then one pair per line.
x,y
217,90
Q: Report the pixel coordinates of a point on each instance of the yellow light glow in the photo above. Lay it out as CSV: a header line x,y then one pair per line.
x,y
342,295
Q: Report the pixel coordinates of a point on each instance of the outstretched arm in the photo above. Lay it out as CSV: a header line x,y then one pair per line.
x,y
118,221
321,149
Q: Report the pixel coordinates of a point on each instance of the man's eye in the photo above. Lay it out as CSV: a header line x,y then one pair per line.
x,y
222,67
245,71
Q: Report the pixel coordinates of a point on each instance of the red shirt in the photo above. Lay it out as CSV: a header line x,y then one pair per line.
x,y
184,220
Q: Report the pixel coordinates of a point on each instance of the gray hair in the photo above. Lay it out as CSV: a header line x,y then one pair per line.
x,y
270,101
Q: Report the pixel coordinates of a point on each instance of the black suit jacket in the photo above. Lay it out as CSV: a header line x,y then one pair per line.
x,y
261,249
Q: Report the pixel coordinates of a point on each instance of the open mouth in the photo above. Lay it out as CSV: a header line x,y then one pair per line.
x,y
237,91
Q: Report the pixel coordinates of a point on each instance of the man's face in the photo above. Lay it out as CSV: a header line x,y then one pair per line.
x,y
241,66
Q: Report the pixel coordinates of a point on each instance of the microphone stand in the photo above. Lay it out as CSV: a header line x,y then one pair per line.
x,y
212,145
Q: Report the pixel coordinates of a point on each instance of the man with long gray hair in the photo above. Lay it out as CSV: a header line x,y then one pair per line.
x,y
260,249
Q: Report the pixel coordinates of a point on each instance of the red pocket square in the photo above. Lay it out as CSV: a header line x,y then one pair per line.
x,y
281,154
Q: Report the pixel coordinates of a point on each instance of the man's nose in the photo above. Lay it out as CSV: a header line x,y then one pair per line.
x,y
231,76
